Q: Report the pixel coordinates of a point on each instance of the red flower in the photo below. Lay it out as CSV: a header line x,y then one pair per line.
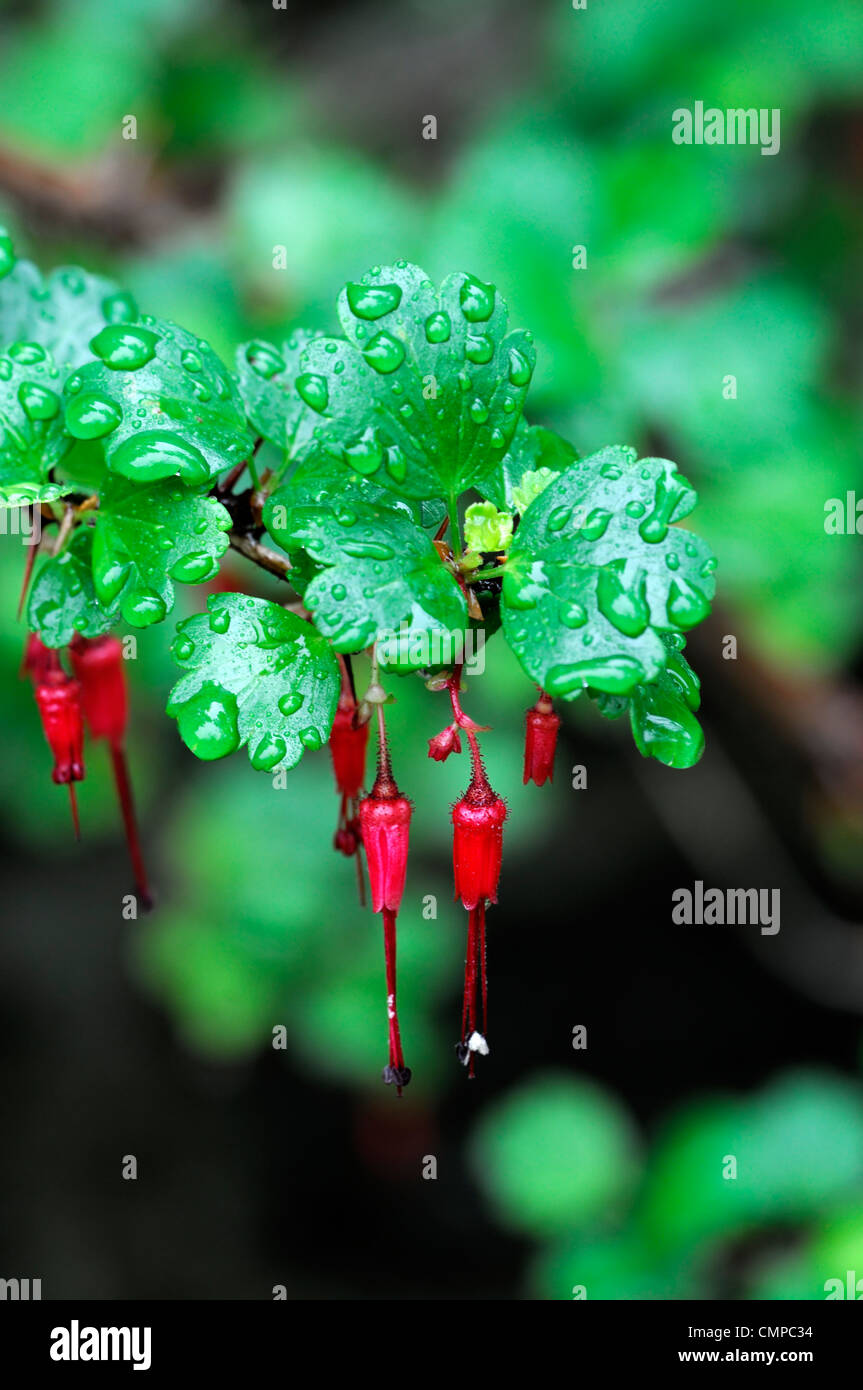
x,y
39,661
477,849
59,701
384,821
478,841
540,741
99,667
348,742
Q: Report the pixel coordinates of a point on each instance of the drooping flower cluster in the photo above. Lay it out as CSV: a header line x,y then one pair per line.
x,y
95,695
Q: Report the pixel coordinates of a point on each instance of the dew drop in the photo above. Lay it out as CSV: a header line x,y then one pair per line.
x,y
476,299
384,352
373,301
124,347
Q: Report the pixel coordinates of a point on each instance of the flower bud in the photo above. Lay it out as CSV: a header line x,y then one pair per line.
x,y
541,726
444,743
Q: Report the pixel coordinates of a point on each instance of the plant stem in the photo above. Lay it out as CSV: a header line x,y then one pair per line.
x,y
260,555
455,529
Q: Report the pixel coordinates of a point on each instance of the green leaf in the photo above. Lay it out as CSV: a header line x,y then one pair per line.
x,y
661,712
426,392
63,600
267,380
147,535
513,483
485,528
161,402
62,313
380,570
31,419
597,573
254,674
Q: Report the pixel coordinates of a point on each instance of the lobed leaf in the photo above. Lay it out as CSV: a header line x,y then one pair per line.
x,y
149,534
63,600
425,392
160,401
597,573
33,439
253,674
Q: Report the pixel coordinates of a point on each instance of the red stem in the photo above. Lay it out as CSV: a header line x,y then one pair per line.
x,y
73,803
28,573
127,806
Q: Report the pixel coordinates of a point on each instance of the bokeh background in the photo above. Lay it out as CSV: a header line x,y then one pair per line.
x,y
557,1167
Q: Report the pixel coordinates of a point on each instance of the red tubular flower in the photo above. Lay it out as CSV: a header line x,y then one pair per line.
x,y
58,698
540,741
477,849
99,667
348,743
384,821
39,661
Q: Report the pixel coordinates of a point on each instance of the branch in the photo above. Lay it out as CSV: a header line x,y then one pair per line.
x,y
260,555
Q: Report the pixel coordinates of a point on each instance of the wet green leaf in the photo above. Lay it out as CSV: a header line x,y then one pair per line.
x,y
148,535
254,674
267,380
425,393
63,600
160,401
597,573
32,437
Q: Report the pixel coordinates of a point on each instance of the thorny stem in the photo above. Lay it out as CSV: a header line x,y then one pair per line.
x,y
454,525
28,574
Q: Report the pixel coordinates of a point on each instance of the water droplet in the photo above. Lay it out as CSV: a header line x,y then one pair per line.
x,y
476,299
596,524
572,615
220,620
635,509
559,518
28,354
438,327
91,415
616,675
626,608
479,349
183,648
124,347
373,301
264,361
339,592
144,607
611,471
367,550
268,753
497,439
191,361
38,402
119,308
290,703
384,352
208,722
155,455
311,739
520,370
366,455
687,605
672,560
194,568
396,465
670,491
478,411
314,390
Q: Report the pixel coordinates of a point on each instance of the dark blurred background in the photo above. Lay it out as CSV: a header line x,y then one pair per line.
x,y
602,1167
